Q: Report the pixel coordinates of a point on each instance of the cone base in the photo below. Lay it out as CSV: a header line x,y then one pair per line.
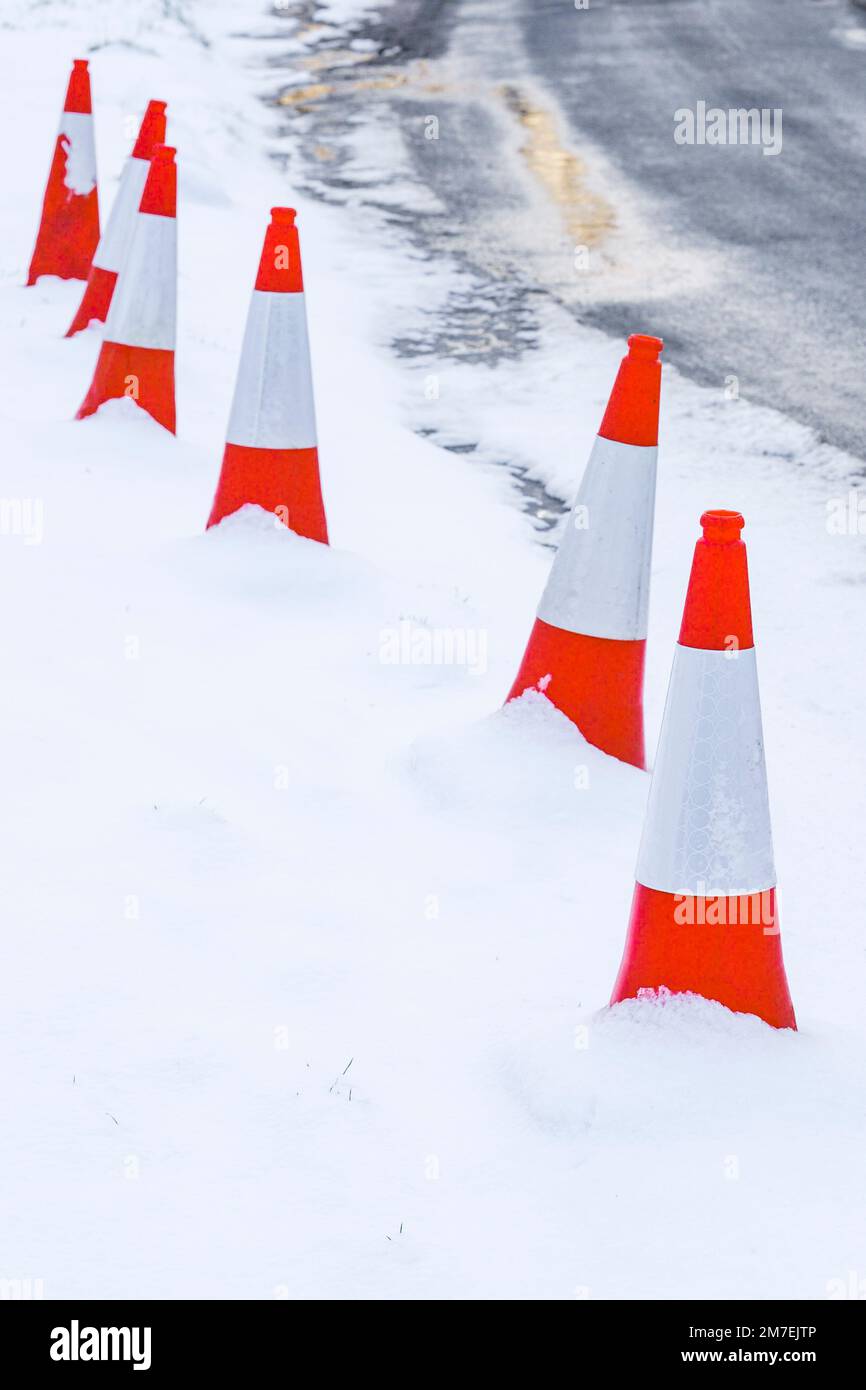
x,y
597,682
69,230
144,375
283,481
96,300
723,948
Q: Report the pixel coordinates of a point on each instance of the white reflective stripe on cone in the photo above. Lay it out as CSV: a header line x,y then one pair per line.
x,y
273,402
144,306
599,583
114,242
707,827
80,176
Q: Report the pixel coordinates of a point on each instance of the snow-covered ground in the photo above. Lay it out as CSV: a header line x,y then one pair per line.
x,y
305,951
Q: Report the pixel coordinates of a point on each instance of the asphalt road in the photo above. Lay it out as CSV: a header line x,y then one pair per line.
x,y
785,306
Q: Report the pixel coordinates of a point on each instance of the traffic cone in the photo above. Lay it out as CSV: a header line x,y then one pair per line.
x,y
69,230
586,649
703,917
271,457
114,242
137,355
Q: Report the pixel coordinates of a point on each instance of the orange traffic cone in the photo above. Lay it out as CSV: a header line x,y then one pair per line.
x,y
114,242
69,229
271,456
137,355
703,917
586,650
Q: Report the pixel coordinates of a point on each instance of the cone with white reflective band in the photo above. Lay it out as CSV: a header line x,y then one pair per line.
x,y
137,354
271,457
586,650
69,228
114,242
703,916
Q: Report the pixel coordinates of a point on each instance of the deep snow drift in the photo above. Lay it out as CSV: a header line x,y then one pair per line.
x,y
306,949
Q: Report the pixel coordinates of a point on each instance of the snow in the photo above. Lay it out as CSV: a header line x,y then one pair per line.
x,y
306,952
76,133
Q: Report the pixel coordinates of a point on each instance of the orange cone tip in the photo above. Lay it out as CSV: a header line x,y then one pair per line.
x,y
151,132
271,455
632,414
587,648
704,917
69,226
